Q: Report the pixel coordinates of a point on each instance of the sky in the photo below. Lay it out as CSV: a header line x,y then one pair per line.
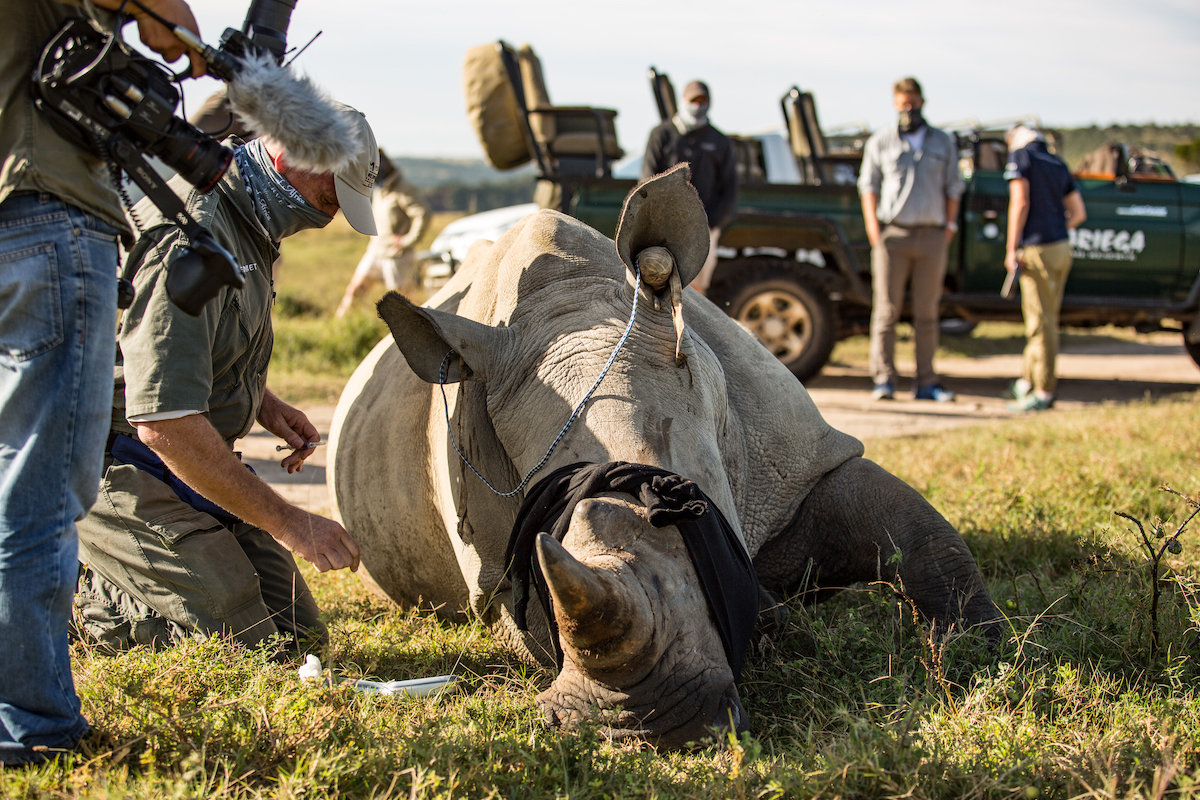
x,y
1072,63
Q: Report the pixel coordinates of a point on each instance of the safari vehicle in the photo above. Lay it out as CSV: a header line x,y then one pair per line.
x,y
794,262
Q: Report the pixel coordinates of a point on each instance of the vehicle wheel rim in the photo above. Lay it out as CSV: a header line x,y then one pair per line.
x,y
781,321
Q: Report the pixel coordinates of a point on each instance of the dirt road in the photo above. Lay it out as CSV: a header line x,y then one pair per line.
x,y
1113,371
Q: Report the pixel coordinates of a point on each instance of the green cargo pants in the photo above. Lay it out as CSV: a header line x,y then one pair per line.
x,y
155,570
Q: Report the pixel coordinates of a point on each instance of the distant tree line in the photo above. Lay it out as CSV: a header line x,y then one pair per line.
x,y
1163,140
475,197
1189,154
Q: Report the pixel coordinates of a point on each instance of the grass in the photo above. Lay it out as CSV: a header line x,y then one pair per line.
x,y
850,700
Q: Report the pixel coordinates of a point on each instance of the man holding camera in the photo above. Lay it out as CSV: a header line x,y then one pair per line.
x,y
185,540
59,223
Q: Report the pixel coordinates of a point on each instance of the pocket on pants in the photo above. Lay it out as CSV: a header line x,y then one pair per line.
x,y
174,526
31,320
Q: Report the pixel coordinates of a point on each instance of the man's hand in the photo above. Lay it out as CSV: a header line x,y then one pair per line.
x,y
157,36
318,540
289,424
1012,260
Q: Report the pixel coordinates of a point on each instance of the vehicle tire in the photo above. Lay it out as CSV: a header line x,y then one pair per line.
x,y
787,308
1193,348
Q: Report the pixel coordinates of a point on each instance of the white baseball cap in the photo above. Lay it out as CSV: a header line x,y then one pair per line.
x,y
354,181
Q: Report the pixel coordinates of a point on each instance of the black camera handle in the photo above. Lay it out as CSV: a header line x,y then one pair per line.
x,y
201,270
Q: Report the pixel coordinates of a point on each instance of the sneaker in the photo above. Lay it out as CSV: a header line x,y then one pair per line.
x,y
884,391
934,391
1029,404
1018,390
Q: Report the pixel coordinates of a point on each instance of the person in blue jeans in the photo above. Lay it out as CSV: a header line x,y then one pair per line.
x,y
60,220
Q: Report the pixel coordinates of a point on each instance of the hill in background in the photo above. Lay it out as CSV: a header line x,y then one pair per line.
x,y
425,173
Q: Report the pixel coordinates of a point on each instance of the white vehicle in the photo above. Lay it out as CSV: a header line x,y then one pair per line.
x,y
451,245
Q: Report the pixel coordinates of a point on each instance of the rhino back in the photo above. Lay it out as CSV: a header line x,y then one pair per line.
x,y
779,445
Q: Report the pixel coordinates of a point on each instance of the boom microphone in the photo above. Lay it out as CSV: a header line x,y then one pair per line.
x,y
271,101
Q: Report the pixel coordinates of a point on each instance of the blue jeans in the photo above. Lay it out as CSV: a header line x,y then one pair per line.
x,y
58,304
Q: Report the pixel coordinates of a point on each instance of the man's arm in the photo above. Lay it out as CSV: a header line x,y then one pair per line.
x,y
870,179
952,204
418,215
1076,213
870,208
194,451
1018,212
728,185
653,158
155,35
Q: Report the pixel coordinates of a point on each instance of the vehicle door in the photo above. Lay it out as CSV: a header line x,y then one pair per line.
x,y
1131,243
976,263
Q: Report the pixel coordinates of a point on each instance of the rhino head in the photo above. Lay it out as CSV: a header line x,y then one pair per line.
x,y
539,313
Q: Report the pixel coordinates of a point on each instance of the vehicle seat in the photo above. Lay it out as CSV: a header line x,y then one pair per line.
x,y
493,108
992,155
664,94
804,134
565,132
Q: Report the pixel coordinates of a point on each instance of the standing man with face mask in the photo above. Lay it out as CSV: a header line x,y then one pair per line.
x,y
689,137
910,190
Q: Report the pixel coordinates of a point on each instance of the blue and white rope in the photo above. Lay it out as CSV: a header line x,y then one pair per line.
x,y
637,280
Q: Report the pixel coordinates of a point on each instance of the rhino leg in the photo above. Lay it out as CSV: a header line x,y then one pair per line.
x,y
847,530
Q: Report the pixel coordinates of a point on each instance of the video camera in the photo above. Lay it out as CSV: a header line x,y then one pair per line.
x,y
110,100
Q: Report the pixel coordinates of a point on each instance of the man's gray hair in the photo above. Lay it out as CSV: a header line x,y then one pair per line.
x,y
1019,136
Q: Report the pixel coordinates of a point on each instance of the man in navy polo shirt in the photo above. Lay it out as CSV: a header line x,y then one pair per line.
x,y
1043,203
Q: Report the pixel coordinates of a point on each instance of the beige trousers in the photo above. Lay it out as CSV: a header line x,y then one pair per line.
x,y
903,255
1042,283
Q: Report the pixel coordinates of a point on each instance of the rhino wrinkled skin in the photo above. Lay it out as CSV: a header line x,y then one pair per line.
x,y
530,321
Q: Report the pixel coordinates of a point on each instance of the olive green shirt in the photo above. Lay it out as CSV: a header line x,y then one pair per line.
x,y
36,157
215,363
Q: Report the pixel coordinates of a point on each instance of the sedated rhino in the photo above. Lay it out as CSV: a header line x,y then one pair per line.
x,y
521,333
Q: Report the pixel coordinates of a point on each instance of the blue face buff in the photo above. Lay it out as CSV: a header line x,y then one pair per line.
x,y
281,209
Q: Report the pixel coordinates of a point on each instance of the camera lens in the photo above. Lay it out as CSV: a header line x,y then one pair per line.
x,y
199,159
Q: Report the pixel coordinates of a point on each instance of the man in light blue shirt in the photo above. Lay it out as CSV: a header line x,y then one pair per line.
x,y
910,188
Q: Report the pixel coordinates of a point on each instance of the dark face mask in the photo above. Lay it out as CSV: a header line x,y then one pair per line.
x,y
911,121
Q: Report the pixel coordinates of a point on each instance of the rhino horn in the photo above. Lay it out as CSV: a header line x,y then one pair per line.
x,y
599,619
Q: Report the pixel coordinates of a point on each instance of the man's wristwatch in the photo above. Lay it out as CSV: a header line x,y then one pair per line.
x,y
952,227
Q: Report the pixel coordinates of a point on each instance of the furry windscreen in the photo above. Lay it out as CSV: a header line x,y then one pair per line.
x,y
293,111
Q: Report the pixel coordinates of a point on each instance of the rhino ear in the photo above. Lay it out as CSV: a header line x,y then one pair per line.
x,y
425,336
665,211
